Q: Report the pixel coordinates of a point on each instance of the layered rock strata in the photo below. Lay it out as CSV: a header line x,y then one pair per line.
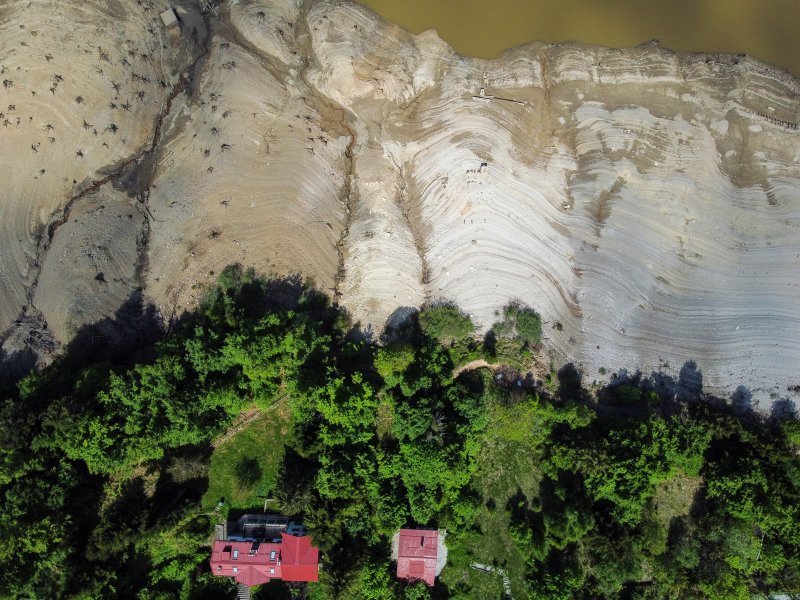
x,y
84,86
646,203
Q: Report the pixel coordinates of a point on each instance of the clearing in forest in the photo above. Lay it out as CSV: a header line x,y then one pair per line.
x,y
244,468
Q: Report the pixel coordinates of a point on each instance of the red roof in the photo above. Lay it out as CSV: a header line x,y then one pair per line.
x,y
253,563
300,560
417,552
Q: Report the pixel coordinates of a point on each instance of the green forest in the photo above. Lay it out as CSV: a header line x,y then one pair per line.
x,y
116,466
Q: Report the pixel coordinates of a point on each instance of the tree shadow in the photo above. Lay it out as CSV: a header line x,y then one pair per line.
x,y
687,387
783,410
520,509
742,401
182,481
14,366
569,383
248,471
295,482
26,343
124,515
118,339
690,381
676,393
490,343
359,333
633,395
400,326
134,327
276,590
440,590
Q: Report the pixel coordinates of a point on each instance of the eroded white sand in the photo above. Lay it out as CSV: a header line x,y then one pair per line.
x,y
646,203
252,174
84,84
91,262
639,199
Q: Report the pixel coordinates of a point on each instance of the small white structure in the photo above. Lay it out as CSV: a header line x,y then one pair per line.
x,y
169,18
484,97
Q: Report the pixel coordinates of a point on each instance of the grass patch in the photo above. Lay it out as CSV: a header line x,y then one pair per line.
x,y
510,450
246,465
509,351
507,466
384,419
466,350
674,497
459,577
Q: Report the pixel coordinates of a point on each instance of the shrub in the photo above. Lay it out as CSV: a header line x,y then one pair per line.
x,y
522,322
529,326
392,361
791,428
445,322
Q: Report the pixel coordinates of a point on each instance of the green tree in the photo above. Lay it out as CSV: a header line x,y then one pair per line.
x,y
445,323
522,322
392,361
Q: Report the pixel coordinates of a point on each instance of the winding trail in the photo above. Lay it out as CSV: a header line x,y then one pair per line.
x,y
478,363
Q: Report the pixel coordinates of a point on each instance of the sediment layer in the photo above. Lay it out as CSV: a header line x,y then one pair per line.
x,y
646,203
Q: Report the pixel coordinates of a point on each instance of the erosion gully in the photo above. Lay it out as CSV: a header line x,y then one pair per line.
x,y
135,175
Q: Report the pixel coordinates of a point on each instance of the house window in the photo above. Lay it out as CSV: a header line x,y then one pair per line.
x,y
235,554
235,569
272,555
272,570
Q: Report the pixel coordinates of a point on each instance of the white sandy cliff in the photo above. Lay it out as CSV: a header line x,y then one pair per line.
x,y
646,203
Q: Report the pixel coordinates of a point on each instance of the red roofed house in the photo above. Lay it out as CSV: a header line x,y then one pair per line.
x,y
420,554
265,547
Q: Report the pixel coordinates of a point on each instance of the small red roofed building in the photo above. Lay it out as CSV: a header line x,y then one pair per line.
x,y
265,547
420,554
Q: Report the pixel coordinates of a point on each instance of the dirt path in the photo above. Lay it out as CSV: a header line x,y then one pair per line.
x,y
479,363
239,423
245,418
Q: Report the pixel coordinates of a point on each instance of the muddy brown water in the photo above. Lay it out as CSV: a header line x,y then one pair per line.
x,y
766,29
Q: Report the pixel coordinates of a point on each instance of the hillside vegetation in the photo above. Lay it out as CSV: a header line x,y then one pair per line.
x,y
113,475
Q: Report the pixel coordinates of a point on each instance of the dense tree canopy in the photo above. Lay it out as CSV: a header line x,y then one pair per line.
x,y
620,493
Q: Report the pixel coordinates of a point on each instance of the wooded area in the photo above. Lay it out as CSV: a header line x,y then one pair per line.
x,y
621,491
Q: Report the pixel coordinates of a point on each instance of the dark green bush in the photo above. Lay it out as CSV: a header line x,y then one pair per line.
x,y
522,322
445,323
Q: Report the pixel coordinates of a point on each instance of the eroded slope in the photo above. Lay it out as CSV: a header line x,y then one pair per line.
x,y
84,87
646,203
